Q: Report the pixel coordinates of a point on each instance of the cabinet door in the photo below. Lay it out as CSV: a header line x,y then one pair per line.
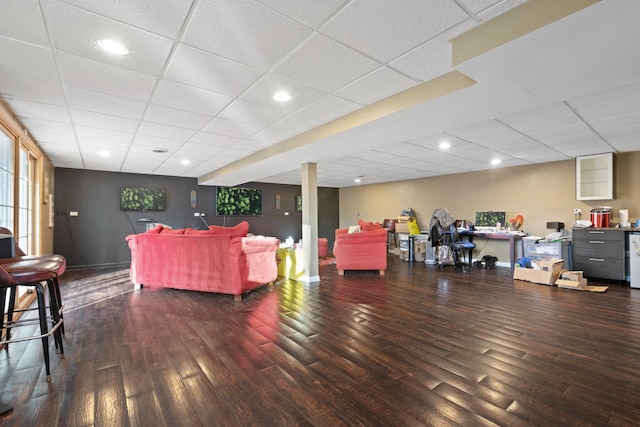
x,y
594,177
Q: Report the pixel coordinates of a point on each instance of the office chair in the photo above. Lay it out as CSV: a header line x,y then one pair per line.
x,y
457,245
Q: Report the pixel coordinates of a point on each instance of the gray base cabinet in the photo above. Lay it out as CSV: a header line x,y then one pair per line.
x,y
599,253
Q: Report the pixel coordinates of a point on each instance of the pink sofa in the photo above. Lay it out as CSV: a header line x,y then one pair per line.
x,y
366,250
220,259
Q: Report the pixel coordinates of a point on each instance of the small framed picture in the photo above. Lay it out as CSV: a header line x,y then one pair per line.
x,y
298,203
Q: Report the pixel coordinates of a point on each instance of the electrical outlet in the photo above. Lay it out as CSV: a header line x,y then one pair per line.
x,y
196,214
577,211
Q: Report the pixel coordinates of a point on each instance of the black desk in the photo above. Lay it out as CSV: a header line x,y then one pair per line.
x,y
512,238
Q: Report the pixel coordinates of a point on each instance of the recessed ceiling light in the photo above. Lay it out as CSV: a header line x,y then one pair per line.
x,y
185,162
112,46
103,153
282,96
358,179
444,145
495,162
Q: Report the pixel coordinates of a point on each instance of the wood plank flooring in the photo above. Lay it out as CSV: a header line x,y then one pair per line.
x,y
414,347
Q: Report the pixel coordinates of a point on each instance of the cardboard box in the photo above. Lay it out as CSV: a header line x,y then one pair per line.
x,y
402,227
576,276
549,272
576,280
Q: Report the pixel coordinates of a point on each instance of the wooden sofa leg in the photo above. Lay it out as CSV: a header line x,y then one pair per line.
x,y
237,298
382,272
270,286
340,272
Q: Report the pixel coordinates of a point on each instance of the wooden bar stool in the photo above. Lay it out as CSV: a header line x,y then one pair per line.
x,y
10,280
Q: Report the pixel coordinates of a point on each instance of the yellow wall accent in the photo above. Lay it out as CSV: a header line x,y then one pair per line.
x,y
512,24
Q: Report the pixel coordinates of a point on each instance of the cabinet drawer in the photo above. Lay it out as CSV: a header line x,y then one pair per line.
x,y
608,235
598,248
600,267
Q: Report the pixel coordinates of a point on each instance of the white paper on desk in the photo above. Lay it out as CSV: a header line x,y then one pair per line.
x,y
532,238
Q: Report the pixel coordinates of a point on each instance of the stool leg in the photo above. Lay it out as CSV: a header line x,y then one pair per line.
x,y
10,309
55,318
42,312
56,287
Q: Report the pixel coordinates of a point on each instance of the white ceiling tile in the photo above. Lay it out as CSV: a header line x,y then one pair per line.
x,y
235,153
621,121
244,31
13,16
27,60
262,93
173,117
147,143
14,86
252,114
499,8
433,58
76,32
487,134
141,163
375,86
621,132
91,75
215,140
164,131
294,124
252,145
188,98
231,128
194,147
551,134
271,136
45,138
203,70
101,144
614,107
605,96
308,64
406,24
311,12
103,121
82,99
48,126
163,17
328,108
37,110
103,134
559,119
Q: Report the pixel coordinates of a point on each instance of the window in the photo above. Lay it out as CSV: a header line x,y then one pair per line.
x,y
6,181
27,194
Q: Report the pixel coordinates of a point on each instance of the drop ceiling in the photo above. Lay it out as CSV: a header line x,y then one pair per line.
x,y
199,79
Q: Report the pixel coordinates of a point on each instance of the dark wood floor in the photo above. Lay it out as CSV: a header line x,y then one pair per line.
x,y
415,347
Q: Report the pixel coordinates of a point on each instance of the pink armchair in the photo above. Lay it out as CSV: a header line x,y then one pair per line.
x,y
361,251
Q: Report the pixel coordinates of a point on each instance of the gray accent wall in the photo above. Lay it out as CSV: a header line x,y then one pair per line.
x,y
96,236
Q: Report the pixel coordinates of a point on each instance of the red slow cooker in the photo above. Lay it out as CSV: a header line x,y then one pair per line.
x,y
601,217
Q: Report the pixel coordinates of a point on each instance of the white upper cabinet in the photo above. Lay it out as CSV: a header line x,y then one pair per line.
x,y
594,177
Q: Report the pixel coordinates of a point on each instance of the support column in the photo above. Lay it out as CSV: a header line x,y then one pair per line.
x,y
310,222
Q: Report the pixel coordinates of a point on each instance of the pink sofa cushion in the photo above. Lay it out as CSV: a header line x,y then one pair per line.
x,y
194,231
368,225
155,230
172,231
239,230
